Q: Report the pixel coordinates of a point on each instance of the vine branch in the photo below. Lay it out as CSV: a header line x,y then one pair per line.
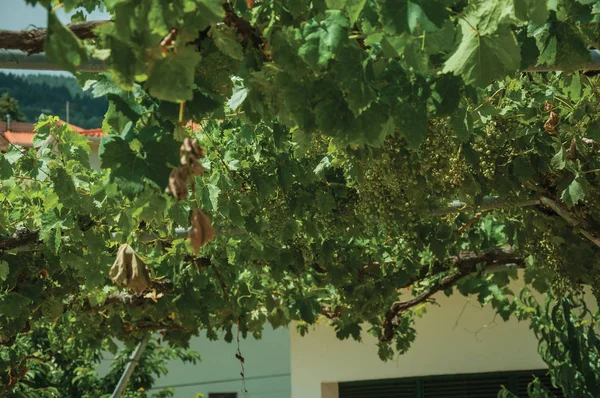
x,y
32,41
464,264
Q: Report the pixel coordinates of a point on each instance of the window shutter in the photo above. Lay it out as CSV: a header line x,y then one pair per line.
x,y
464,386
391,388
480,385
524,380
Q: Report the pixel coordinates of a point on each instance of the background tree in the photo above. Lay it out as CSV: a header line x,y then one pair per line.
x,y
351,150
10,106
49,95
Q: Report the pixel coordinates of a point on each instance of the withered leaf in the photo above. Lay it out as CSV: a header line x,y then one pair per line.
x,y
129,270
550,125
197,169
201,231
573,150
178,182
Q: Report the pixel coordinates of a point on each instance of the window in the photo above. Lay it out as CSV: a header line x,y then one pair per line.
x,y
478,385
222,395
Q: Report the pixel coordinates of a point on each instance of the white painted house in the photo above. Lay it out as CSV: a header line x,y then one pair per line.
x,y
461,350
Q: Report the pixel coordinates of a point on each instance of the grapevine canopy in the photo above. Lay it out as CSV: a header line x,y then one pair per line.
x,y
350,149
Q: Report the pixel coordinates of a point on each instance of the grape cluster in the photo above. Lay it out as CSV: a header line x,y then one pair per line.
x,y
399,182
490,150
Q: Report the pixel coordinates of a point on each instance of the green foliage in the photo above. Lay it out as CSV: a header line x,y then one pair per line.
x,y
353,149
49,94
568,342
10,106
56,364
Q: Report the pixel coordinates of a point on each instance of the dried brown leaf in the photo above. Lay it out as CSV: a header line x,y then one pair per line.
x,y
197,169
573,149
129,270
178,182
201,231
551,123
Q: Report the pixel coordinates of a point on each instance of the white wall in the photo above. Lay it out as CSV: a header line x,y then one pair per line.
x,y
459,336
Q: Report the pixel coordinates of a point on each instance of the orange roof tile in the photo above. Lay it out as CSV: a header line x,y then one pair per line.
x,y
22,133
19,138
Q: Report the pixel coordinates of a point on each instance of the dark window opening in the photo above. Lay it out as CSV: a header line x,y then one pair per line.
x,y
474,385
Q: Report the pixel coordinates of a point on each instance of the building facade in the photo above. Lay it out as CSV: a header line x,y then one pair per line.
x,y
461,350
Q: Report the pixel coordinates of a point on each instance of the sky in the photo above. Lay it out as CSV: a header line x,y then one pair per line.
x,y
18,15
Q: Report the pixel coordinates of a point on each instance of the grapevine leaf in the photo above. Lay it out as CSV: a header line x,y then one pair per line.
x,y
4,270
480,59
575,191
5,168
13,304
226,41
400,16
593,130
240,92
62,46
490,15
354,8
130,168
560,43
336,4
203,13
172,77
323,39
213,194
535,11
51,230
559,161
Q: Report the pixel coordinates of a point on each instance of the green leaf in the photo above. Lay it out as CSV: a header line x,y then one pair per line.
x,y
336,4
560,43
480,59
559,161
400,16
492,14
522,169
575,192
13,304
5,168
51,230
130,168
354,8
226,41
172,77
239,94
124,61
62,46
534,11
213,194
200,14
350,70
323,39
593,130
575,87
4,270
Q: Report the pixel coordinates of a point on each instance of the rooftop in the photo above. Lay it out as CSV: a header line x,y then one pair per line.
x,y
21,133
